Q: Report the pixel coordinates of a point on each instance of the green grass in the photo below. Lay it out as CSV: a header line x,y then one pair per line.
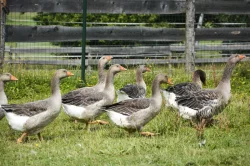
x,y
66,143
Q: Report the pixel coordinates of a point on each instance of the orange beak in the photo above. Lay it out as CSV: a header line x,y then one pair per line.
x,y
169,81
69,73
122,68
242,56
108,58
13,78
148,69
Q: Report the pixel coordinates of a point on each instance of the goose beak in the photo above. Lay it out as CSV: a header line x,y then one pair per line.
x,y
170,81
122,68
241,56
148,69
69,73
108,58
13,78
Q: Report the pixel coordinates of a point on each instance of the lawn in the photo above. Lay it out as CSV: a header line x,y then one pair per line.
x,y
67,143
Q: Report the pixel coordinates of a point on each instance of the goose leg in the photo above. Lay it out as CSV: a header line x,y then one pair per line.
x,y
40,137
102,122
200,130
87,127
20,139
147,134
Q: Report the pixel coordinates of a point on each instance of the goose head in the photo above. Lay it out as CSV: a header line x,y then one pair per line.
x,y
143,68
104,60
116,68
62,73
163,78
200,75
233,59
7,77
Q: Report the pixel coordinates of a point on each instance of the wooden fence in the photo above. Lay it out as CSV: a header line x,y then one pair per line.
x,y
62,33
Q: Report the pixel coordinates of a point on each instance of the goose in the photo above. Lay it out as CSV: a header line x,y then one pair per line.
x,y
132,91
202,105
85,107
183,89
30,118
6,77
133,114
101,78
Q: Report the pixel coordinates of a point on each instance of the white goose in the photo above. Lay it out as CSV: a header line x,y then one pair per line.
x,y
31,118
133,114
6,77
203,105
183,89
86,106
132,91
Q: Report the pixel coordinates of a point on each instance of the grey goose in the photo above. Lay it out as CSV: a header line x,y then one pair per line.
x,y
183,89
6,77
132,91
133,114
202,105
30,118
85,107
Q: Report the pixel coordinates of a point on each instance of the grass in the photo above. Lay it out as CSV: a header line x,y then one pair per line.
x,y
66,143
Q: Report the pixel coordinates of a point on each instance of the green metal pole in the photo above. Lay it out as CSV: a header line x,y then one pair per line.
x,y
84,15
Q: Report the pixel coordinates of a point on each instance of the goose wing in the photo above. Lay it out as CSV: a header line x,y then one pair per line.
x,y
28,109
128,107
82,99
134,91
77,92
183,89
199,99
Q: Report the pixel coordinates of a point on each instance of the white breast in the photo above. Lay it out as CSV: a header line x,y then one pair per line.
x,y
118,119
16,121
73,111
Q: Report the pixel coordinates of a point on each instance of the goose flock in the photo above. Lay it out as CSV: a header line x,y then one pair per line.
x,y
132,110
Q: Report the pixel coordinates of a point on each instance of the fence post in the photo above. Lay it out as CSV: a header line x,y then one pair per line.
x,y
3,11
84,16
190,36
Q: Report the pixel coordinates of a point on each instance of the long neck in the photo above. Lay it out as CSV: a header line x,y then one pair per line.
x,y
109,80
225,80
101,74
3,97
197,80
1,86
156,93
55,86
139,79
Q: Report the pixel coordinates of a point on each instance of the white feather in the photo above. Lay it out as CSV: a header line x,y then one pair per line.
x,y
170,99
73,111
16,121
118,119
121,96
187,113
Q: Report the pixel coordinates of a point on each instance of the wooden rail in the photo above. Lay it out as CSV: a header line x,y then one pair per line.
x,y
62,33
130,7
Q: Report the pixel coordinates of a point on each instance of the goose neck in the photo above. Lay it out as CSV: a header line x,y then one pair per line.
x,y
139,79
156,93
1,86
227,73
109,80
197,80
55,86
101,74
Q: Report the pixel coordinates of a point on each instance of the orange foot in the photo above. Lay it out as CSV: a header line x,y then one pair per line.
x,y
147,134
102,122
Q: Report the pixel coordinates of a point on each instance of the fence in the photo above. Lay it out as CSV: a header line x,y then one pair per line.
x,y
160,41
